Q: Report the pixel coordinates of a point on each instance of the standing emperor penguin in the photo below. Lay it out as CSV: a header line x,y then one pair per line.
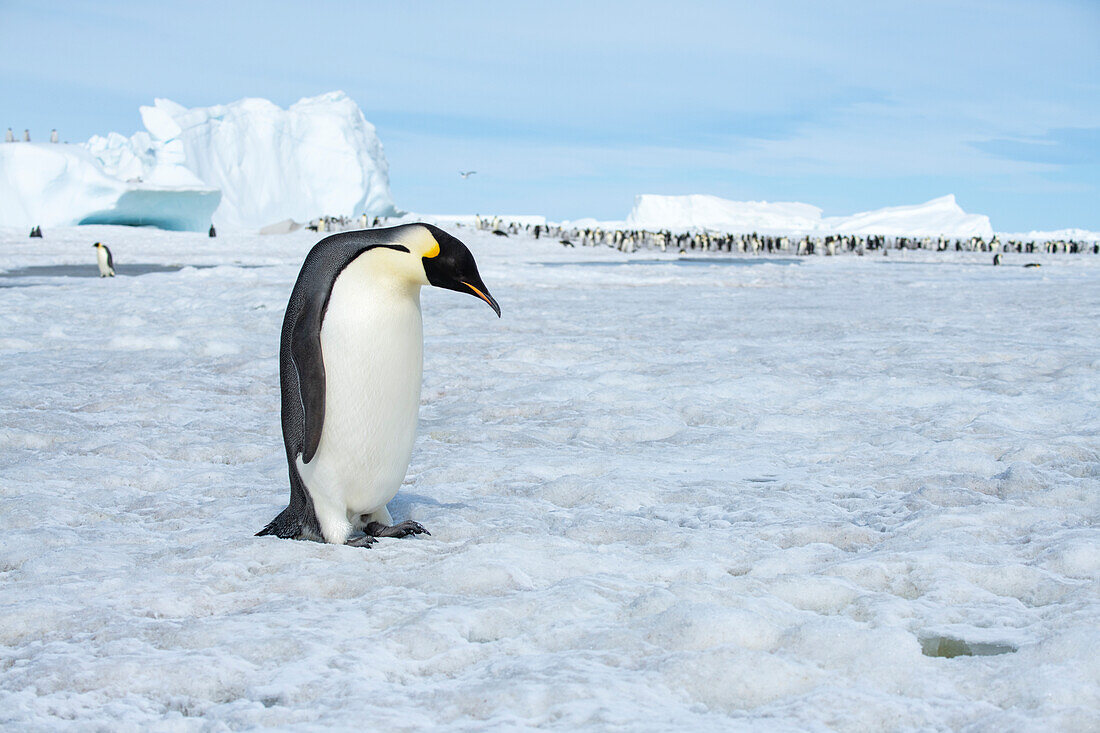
x,y
350,364
104,259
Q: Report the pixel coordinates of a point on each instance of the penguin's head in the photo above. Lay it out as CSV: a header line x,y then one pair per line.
x,y
449,264
423,254
97,245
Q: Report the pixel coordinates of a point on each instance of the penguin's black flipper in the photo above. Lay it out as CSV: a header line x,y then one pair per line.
x,y
307,312
110,259
305,347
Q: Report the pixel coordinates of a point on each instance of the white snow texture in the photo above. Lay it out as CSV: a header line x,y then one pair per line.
x,y
319,157
742,494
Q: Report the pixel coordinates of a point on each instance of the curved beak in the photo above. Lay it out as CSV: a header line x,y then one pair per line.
x,y
484,295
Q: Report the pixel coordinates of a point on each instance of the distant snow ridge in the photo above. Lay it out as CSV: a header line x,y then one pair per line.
x,y
939,216
1064,235
319,157
710,212
942,215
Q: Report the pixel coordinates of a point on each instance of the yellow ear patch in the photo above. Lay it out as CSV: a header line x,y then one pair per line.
x,y
434,251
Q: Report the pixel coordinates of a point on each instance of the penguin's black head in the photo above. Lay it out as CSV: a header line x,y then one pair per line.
x,y
451,266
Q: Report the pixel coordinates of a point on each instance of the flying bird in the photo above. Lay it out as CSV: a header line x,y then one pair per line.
x,y
466,174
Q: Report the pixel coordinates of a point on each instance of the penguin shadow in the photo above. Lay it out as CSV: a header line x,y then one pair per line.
x,y
405,501
91,271
56,274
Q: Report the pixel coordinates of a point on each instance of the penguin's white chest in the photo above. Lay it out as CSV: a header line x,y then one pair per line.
x,y
372,346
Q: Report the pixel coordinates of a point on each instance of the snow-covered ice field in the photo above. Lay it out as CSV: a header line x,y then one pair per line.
x,y
750,496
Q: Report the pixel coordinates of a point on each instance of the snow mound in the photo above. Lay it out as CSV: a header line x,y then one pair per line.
x,y
591,223
286,226
942,215
939,216
63,185
710,212
1057,235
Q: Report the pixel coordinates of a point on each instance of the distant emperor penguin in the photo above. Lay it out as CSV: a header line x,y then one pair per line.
x,y
104,259
350,365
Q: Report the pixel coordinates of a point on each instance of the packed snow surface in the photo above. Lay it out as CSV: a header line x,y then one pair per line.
x,y
941,216
48,184
318,157
844,493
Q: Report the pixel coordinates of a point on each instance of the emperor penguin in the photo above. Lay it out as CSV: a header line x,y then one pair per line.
x,y
350,365
104,259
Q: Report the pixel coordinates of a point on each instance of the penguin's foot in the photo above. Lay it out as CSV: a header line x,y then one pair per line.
x,y
401,529
364,541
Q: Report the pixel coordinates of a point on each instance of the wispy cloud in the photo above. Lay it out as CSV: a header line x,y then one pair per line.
x,y
1066,146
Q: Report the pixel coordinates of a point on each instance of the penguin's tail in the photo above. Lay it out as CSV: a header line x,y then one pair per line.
x,y
294,523
298,521
287,526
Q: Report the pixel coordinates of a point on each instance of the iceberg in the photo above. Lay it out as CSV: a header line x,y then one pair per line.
x,y
52,185
318,157
240,166
940,216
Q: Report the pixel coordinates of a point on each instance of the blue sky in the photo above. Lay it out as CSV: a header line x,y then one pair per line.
x,y
570,109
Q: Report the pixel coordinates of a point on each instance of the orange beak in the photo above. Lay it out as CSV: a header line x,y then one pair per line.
x,y
484,296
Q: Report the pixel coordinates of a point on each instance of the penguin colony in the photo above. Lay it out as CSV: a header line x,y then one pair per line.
x,y
350,365
633,240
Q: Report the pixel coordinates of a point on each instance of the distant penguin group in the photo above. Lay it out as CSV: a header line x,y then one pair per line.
x,y
350,367
9,136
36,233
104,259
